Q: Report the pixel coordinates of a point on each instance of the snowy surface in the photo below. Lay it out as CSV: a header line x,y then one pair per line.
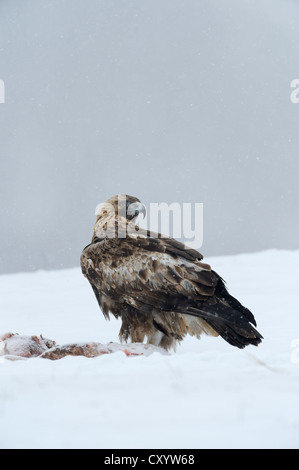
x,y
206,395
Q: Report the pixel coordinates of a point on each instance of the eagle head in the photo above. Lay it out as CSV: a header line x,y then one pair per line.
x,y
127,206
119,207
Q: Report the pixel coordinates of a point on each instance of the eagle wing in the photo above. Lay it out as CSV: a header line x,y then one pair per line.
x,y
150,275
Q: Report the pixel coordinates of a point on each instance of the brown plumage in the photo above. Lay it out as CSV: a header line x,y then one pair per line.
x,y
160,288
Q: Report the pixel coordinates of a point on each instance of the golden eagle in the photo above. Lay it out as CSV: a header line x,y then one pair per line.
x,y
159,287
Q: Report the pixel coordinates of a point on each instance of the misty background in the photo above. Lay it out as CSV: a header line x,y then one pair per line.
x,y
169,101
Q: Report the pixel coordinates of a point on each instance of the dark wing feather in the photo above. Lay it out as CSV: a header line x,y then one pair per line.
x,y
231,324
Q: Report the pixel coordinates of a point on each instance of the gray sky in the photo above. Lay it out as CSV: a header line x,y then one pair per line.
x,y
185,101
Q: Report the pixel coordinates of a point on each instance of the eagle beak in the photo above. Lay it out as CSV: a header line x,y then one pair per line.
x,y
141,210
135,209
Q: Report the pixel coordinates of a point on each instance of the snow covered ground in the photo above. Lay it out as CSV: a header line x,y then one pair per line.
x,y
206,395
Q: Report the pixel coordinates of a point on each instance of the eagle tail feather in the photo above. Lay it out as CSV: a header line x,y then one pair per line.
x,y
222,293
232,325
